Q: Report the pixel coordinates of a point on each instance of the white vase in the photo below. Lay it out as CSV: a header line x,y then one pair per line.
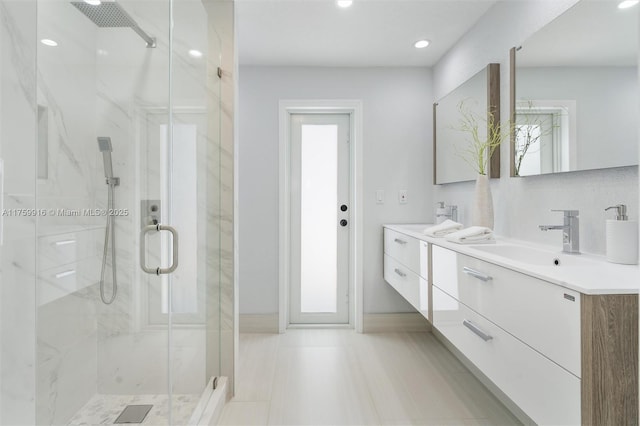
x,y
483,203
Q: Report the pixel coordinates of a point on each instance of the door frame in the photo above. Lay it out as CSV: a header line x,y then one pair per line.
x,y
323,106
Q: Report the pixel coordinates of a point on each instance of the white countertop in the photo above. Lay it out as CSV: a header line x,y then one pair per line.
x,y
597,276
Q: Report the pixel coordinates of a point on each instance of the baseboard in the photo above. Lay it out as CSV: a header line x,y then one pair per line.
x,y
495,390
409,321
373,323
259,323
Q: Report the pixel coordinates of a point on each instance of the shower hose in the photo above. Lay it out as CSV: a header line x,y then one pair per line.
x,y
109,232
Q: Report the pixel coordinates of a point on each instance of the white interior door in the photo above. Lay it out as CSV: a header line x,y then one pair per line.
x,y
320,216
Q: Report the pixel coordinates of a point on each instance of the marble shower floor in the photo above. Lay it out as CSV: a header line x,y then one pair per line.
x,y
104,409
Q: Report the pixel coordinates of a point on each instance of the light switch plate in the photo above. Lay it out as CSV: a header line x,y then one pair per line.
x,y
379,196
402,196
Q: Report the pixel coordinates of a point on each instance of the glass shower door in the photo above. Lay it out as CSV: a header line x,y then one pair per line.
x,y
126,160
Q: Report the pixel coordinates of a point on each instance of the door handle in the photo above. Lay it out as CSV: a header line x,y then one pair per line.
x,y
143,246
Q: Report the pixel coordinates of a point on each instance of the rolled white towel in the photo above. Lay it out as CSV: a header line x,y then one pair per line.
x,y
472,235
446,227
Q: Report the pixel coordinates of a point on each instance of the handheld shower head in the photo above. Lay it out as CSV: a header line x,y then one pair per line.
x,y
104,145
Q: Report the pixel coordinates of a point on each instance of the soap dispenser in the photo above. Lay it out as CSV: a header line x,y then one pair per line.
x,y
622,237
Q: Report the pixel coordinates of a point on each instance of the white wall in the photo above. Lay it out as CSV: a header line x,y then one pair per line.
x,y
397,155
523,203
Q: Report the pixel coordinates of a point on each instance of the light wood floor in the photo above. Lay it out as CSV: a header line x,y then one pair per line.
x,y
339,377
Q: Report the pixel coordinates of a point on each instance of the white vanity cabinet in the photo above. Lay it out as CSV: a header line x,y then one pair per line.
x,y
561,346
406,268
541,314
543,390
522,333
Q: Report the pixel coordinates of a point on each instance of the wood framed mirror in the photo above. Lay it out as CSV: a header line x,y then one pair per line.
x,y
481,94
574,93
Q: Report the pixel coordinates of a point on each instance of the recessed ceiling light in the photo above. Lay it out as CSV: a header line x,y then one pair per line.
x,y
627,4
195,53
93,2
48,42
421,44
344,3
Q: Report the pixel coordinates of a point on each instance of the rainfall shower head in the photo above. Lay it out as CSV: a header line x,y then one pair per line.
x,y
110,14
104,145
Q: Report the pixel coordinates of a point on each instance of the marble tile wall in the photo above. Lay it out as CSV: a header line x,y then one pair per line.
x,y
132,99
134,104
104,82
222,193
67,356
17,248
66,291
66,88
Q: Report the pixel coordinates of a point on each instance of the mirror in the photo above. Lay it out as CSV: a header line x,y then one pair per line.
x,y
478,97
574,92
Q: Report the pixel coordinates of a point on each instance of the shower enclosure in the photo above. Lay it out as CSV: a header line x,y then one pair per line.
x,y
86,331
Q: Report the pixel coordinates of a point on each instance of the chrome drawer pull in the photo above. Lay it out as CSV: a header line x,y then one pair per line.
x,y
65,273
399,241
399,272
477,274
476,330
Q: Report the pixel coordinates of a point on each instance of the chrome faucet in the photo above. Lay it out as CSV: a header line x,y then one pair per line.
x,y
570,231
446,212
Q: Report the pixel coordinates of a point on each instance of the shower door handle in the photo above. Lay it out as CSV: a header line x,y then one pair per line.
x,y
143,249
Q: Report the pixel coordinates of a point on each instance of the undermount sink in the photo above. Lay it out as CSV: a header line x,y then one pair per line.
x,y
532,256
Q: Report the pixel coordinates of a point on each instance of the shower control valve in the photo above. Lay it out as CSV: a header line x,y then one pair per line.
x,y
113,181
150,212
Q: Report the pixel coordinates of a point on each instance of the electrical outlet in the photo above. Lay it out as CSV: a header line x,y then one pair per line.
x,y
379,196
402,196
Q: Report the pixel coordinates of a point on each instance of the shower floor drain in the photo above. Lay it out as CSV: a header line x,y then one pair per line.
x,y
133,414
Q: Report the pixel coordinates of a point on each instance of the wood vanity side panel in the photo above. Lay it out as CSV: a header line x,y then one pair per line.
x,y
609,360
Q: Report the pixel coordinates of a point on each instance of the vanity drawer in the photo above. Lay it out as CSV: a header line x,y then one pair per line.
x,y
410,286
403,248
543,315
64,249
544,391
55,283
